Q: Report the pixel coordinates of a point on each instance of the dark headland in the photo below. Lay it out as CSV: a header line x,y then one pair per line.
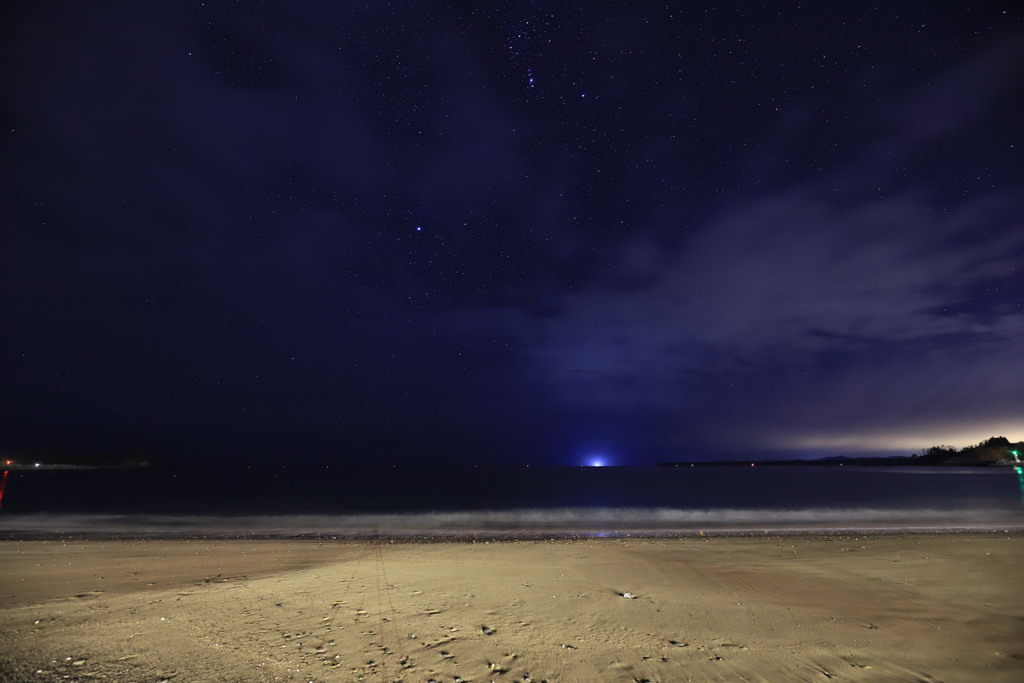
x,y
997,451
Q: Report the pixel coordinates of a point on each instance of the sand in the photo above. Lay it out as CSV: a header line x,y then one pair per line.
x,y
768,608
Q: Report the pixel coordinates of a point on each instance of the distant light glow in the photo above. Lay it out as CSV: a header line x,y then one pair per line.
x,y
908,439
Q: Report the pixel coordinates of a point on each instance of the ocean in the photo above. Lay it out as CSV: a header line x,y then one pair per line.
x,y
416,503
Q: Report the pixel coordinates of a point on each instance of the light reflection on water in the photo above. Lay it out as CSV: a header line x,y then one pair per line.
x,y
3,487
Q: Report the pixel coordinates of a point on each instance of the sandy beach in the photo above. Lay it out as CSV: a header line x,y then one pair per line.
x,y
929,607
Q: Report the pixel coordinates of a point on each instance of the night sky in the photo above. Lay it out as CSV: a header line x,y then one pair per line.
x,y
503,233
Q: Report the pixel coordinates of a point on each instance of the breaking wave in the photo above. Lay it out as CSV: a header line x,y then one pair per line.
x,y
515,523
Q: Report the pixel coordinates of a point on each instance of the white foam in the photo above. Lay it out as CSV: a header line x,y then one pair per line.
x,y
526,522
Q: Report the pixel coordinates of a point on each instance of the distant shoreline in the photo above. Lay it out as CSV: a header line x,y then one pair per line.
x,y
895,461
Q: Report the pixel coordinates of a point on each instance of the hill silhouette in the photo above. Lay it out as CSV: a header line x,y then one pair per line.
x,y
997,450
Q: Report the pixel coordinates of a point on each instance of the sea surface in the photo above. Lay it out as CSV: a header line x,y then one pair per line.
x,y
411,503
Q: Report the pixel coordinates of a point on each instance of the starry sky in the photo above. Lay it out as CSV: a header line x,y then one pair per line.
x,y
521,232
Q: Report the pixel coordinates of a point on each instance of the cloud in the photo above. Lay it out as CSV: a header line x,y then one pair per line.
x,y
782,278
877,289
962,96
